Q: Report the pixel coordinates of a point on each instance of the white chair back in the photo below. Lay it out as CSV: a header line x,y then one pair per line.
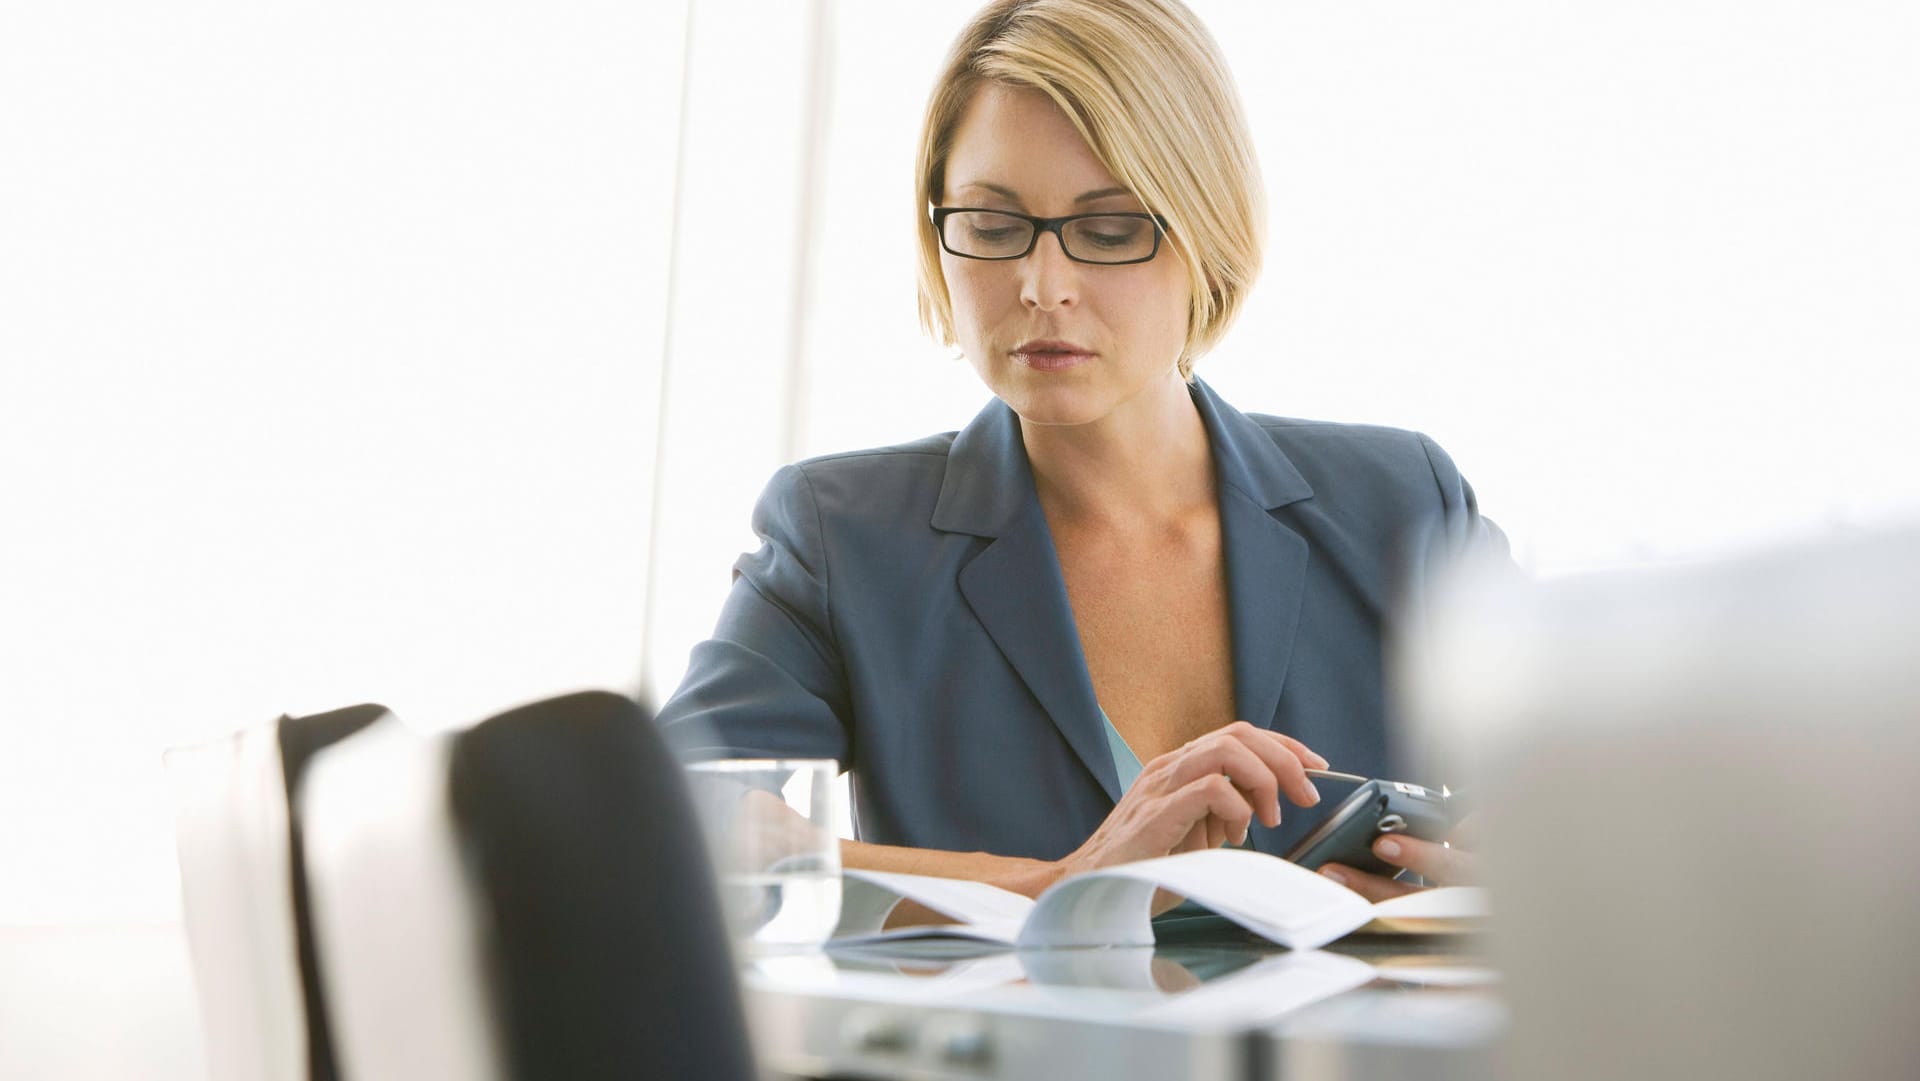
x,y
400,937
230,819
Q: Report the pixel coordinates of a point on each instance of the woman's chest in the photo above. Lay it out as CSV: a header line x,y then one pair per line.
x,y
1154,626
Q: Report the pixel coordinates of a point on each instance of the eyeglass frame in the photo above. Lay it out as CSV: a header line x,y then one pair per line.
x,y
940,214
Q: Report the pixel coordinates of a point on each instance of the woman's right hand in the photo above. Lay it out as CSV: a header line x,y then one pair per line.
x,y
1202,795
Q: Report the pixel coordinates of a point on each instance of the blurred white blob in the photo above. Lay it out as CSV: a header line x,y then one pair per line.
x,y
1698,791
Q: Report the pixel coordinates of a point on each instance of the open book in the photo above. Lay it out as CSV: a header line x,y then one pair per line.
x,y
1267,895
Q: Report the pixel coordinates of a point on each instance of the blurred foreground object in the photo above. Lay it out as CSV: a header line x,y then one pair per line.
x,y
527,898
1700,787
244,896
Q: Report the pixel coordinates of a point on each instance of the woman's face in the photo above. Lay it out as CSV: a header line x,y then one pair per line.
x,y
1060,342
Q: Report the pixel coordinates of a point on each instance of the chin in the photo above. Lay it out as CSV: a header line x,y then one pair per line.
x,y
1053,405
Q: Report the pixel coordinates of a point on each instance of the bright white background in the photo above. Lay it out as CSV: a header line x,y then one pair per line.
x,y
331,335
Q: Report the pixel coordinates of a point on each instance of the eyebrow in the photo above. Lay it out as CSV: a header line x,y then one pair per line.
x,y
1009,193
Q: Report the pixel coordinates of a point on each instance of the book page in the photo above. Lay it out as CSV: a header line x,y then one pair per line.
x,y
979,910
1442,911
1265,894
1112,906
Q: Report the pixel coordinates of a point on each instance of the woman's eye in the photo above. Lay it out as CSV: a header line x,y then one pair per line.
x,y
991,235
1112,233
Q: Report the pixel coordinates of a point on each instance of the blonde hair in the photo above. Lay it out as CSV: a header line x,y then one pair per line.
x,y
1145,85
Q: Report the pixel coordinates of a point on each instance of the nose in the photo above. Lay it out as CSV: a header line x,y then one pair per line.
x,y
1048,279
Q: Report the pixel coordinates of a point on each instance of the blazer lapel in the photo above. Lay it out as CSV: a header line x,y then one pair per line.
x,y
1014,584
1266,574
1266,561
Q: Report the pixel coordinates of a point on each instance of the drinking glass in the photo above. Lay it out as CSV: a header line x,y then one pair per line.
x,y
769,826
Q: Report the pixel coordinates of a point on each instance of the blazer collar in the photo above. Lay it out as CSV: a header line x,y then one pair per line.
x,y
1015,587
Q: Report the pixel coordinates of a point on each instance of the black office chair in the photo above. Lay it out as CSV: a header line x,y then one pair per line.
x,y
527,899
612,952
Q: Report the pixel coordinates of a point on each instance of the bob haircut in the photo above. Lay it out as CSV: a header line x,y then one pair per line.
x,y
1147,88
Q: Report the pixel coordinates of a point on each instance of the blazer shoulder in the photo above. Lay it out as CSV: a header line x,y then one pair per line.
x,y
881,459
1371,458
867,474
1288,428
1315,439
880,484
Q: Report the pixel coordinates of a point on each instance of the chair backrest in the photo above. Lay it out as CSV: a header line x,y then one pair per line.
x,y
244,896
525,899
609,941
1699,825
401,936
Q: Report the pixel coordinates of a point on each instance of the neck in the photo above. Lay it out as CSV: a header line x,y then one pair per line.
x,y
1147,460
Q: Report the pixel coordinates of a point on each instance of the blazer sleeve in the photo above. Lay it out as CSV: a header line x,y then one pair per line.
x,y
1438,539
770,682
1459,527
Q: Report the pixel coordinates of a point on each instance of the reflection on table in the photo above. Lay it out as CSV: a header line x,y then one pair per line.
x,y
1226,1008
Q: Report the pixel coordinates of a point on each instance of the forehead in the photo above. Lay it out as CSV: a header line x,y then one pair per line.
x,y
1017,139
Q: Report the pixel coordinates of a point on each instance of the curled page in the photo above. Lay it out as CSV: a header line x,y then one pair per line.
x,y
1270,897
981,911
1112,906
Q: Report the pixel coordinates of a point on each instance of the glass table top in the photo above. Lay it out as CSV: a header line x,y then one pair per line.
x,y
1213,982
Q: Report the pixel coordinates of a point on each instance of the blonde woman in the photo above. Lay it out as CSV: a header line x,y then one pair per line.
x,y
1113,617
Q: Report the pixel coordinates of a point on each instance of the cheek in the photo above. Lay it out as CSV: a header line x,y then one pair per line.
x,y
1157,307
974,295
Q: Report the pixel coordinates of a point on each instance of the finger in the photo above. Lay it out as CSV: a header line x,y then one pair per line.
x,y
1430,860
1305,753
1222,752
1216,795
1254,775
1179,821
1372,887
1198,837
1205,834
1278,754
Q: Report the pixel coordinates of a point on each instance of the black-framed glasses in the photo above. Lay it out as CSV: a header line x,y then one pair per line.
x,y
1106,239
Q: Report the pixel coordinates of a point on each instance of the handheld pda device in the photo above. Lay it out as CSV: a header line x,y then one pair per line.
x,y
1374,809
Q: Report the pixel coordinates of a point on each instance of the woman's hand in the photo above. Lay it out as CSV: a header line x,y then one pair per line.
x,y
1439,864
1202,795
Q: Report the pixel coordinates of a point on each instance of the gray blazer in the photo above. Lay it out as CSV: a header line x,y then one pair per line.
x,y
906,615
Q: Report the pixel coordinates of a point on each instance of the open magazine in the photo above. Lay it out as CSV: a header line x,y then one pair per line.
x,y
1269,896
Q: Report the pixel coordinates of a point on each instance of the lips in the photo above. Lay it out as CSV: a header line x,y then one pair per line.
x,y
1050,354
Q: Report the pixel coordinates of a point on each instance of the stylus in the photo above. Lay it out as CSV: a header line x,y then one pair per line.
x,y
1336,775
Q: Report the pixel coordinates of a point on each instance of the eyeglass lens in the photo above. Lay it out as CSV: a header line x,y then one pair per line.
x,y
1104,239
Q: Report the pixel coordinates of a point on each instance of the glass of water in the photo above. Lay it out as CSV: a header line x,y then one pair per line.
x,y
769,826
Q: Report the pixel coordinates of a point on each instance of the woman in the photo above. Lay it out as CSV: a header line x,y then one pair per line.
x,y
993,629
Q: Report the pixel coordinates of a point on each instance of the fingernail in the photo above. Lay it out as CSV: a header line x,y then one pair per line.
x,y
1316,794
1387,848
1242,839
1335,875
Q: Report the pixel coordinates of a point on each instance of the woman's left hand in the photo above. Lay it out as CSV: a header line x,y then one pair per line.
x,y
1440,864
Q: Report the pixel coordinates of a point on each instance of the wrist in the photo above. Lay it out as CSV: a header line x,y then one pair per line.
x,y
1031,878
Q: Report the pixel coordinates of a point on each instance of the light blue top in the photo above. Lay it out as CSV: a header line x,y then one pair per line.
x,y
1125,762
